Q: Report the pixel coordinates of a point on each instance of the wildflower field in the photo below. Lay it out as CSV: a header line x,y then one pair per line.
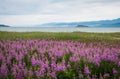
x,y
59,55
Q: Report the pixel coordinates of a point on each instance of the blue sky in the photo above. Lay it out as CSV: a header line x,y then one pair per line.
x,y
34,12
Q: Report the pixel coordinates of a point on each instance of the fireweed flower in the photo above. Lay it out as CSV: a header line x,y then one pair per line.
x,y
68,66
3,70
119,63
74,59
94,78
9,59
23,58
33,61
60,67
115,72
76,67
53,65
30,73
53,75
19,75
86,70
81,75
25,72
37,73
106,75
1,56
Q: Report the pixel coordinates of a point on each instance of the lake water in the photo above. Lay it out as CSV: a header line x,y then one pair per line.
x,y
58,29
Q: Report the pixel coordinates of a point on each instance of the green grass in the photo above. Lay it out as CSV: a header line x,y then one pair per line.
x,y
74,36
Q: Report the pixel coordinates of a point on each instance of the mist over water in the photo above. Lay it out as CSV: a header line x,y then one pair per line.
x,y
59,29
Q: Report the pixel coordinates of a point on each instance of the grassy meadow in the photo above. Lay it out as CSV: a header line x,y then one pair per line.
x,y
74,36
63,55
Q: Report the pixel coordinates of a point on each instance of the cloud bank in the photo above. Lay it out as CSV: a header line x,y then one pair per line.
x,y
30,12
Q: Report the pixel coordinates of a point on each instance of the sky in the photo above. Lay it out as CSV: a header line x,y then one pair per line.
x,y
36,12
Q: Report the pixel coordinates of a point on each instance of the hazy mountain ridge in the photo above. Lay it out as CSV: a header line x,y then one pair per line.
x,y
101,23
2,25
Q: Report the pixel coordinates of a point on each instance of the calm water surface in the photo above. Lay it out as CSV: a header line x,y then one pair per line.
x,y
58,29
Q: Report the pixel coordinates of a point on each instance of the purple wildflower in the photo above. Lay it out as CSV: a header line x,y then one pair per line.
x,y
3,70
81,75
87,71
106,75
115,72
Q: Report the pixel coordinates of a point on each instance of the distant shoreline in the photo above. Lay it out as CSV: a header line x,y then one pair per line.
x,y
60,29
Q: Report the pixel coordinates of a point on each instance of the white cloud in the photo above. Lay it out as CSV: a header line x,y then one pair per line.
x,y
26,19
28,12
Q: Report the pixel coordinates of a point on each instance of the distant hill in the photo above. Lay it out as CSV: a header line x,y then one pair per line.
x,y
101,23
81,26
2,25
